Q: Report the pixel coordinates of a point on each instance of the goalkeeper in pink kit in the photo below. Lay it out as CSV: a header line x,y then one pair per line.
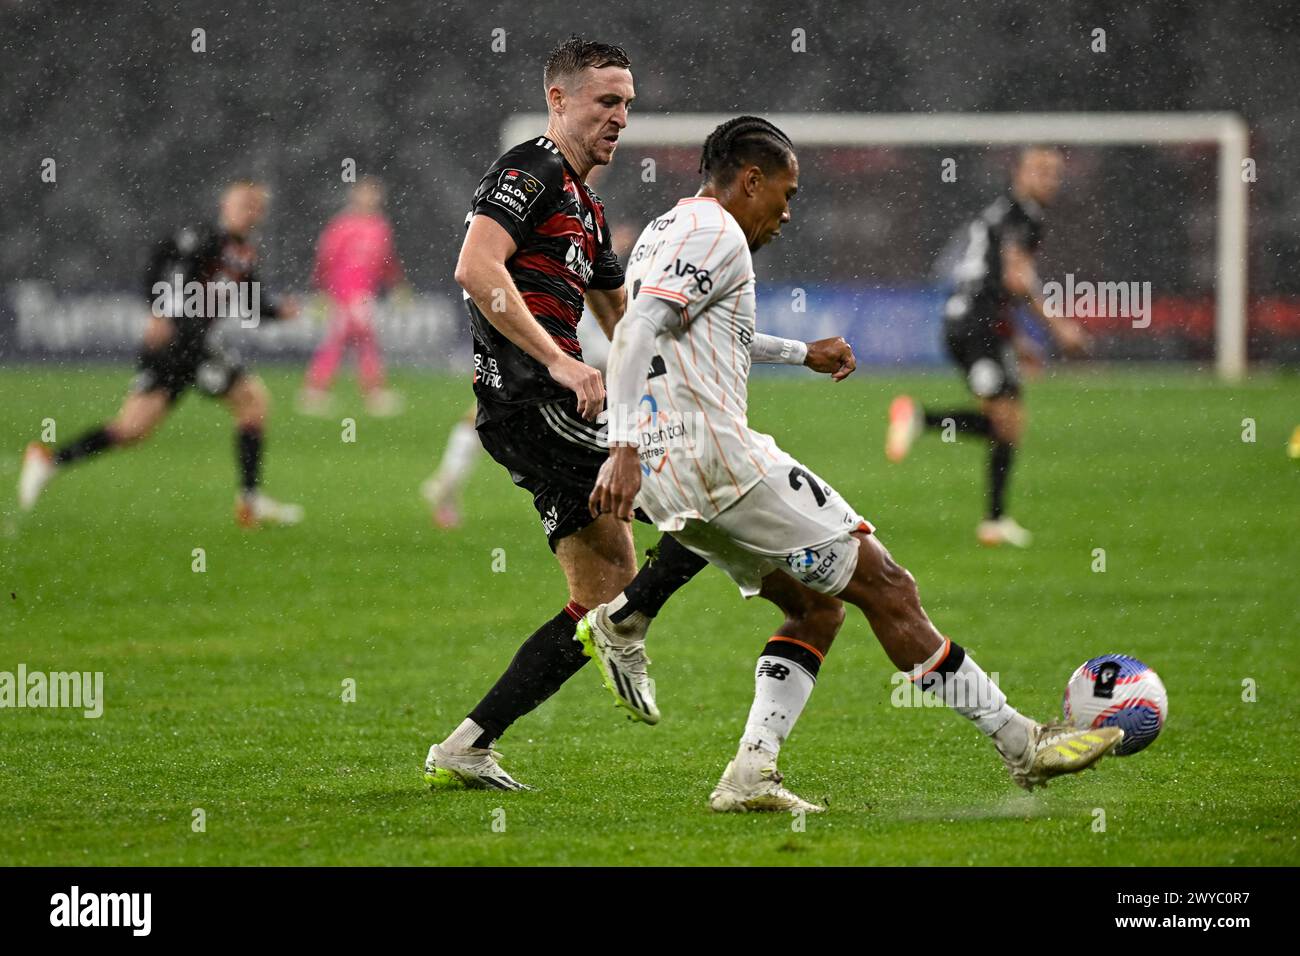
x,y
355,262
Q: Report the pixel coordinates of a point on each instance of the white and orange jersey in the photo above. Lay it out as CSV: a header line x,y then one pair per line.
x,y
698,454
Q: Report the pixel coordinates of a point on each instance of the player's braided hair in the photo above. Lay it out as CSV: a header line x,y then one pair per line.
x,y
576,54
743,141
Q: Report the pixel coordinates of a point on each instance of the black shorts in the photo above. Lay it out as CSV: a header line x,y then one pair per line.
x,y
987,358
553,453
211,370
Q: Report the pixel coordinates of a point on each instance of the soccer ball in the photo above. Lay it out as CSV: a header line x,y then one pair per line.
x,y
1116,690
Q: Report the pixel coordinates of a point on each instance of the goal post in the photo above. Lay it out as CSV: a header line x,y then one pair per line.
x,y
1228,131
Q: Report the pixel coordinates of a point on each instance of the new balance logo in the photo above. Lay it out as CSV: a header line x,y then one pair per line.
x,y
773,670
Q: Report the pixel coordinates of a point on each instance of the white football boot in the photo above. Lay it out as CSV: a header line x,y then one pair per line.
x,y
315,402
906,422
384,403
619,652
254,509
441,501
1054,749
750,785
474,768
1004,530
38,468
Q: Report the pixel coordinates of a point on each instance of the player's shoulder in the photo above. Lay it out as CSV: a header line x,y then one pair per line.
x,y
192,238
700,218
539,158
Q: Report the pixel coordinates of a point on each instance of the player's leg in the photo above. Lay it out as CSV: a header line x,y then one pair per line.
x,y
784,679
381,401
557,463
442,489
249,402
314,399
1006,418
887,595
140,414
614,634
966,343
598,560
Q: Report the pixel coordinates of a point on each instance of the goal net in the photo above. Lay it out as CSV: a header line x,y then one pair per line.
x,y
1145,245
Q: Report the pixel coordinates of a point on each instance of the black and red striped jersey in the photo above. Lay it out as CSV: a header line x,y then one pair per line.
x,y
978,292
207,254
562,249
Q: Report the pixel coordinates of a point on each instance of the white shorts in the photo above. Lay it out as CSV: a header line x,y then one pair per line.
x,y
790,521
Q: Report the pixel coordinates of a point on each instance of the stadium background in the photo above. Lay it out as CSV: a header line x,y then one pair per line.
x,y
222,688
144,131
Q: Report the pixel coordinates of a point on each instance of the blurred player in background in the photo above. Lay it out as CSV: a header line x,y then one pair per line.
x,y
442,489
181,350
732,496
995,271
355,263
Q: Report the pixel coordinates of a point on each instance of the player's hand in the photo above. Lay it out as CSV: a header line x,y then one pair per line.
x,y
584,381
617,484
834,356
1073,340
158,333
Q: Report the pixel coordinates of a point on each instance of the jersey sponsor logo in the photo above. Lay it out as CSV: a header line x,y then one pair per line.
x,y
659,431
516,191
810,566
703,281
486,371
657,366
577,262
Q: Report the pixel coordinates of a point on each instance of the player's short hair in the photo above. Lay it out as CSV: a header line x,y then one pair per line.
x,y
744,141
576,54
1029,149
243,183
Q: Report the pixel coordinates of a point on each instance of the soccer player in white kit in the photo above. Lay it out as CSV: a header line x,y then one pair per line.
x,y
681,450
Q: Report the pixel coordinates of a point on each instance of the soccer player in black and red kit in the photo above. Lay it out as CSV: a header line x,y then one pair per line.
x,y
537,246
180,351
996,270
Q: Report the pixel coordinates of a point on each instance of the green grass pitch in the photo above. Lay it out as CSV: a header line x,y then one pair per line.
x,y
224,688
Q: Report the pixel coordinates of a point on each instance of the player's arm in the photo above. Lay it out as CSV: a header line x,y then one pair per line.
x,y
606,296
607,305
272,306
833,356
629,361
1021,279
481,272
167,259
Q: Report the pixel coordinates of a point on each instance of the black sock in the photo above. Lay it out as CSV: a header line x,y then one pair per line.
x,y
1000,458
248,449
541,665
974,423
91,443
671,565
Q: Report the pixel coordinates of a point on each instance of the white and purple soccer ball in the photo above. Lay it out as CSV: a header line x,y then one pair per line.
x,y
1116,690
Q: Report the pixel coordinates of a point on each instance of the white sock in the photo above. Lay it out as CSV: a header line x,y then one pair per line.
x,y
463,737
967,690
458,458
978,699
781,688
